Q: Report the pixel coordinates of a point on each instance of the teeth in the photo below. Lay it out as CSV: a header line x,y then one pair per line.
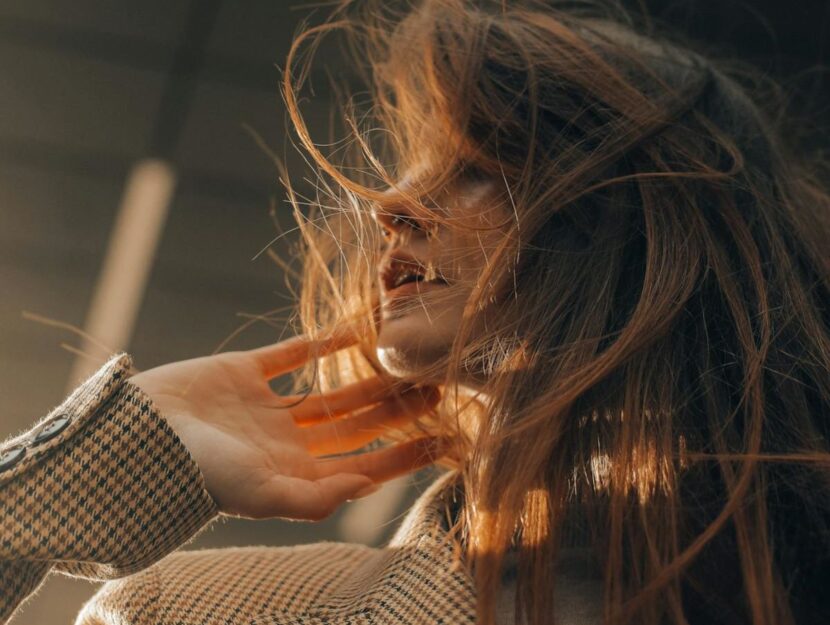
x,y
403,273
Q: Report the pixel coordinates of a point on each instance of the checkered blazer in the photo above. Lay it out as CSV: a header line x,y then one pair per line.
x,y
102,488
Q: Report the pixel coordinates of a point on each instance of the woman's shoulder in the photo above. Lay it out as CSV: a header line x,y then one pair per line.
x,y
227,585
411,580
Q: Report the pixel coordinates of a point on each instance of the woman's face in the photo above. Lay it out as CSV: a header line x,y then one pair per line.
x,y
428,271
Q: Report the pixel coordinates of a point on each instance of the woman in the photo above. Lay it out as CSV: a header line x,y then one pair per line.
x,y
614,269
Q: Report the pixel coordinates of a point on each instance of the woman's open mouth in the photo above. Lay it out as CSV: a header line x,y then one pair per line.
x,y
406,276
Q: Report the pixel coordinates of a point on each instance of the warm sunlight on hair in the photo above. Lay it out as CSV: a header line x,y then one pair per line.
x,y
648,248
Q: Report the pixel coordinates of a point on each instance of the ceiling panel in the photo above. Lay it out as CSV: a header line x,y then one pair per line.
x,y
33,366
214,139
267,29
64,100
153,20
69,214
53,229
204,276
218,137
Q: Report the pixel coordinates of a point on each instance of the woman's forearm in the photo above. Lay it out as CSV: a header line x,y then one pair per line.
x,y
101,488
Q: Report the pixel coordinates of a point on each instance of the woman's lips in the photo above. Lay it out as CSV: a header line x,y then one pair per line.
x,y
409,289
402,300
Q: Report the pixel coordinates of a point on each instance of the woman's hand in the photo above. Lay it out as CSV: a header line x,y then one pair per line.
x,y
258,451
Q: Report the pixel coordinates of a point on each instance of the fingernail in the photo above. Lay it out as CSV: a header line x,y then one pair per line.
x,y
366,490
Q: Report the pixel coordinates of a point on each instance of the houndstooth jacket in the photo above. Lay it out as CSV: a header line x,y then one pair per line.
x,y
102,488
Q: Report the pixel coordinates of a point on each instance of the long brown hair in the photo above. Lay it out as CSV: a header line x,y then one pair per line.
x,y
668,266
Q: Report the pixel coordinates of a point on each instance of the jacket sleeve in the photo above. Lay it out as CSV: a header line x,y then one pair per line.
x,y
100,488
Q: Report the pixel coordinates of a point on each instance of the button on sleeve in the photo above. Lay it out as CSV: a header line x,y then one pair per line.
x,y
11,456
51,428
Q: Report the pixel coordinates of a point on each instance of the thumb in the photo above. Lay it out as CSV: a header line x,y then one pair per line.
x,y
347,486
314,500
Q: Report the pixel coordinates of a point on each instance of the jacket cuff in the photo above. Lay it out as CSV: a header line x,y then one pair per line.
x,y
103,486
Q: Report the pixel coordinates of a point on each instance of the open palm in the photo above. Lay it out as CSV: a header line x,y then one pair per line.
x,y
260,452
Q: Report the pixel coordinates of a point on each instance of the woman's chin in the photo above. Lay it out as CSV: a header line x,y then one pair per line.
x,y
408,348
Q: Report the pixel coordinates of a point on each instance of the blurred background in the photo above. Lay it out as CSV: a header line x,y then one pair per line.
x,y
136,198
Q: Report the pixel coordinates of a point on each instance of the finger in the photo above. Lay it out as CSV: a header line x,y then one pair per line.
x,y
311,500
319,408
287,355
384,464
354,432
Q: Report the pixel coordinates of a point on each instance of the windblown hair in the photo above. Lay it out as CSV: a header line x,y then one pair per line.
x,y
668,274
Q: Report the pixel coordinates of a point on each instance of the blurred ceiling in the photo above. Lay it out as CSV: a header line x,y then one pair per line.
x,y
87,89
